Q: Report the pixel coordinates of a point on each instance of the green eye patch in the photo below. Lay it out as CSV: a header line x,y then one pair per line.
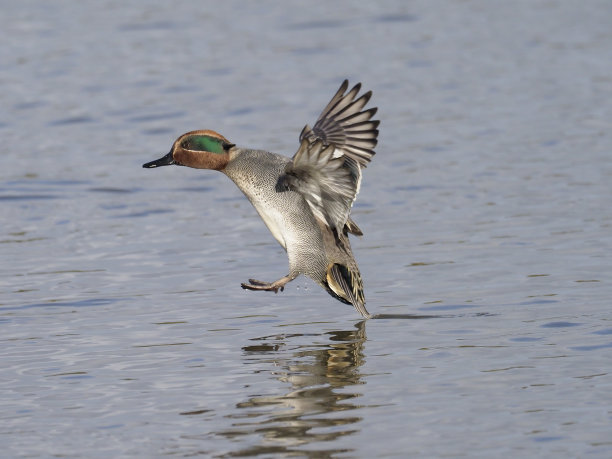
x,y
203,143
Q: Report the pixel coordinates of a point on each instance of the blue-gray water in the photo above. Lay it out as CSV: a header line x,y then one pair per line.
x,y
123,327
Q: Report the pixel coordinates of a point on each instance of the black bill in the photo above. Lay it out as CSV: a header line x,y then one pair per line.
x,y
164,161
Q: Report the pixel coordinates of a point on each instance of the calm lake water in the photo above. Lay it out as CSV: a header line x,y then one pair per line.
x,y
487,215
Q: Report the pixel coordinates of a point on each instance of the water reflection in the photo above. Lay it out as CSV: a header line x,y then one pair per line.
x,y
323,379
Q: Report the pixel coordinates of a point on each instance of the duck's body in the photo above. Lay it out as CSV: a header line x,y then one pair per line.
x,y
304,201
286,214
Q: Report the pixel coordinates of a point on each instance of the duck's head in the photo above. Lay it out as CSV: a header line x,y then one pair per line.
x,y
200,149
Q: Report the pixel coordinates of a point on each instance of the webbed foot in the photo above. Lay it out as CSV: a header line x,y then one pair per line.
x,y
275,286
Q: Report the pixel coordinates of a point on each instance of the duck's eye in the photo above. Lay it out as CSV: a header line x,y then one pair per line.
x,y
202,143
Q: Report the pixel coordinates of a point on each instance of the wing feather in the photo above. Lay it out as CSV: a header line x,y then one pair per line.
x,y
326,169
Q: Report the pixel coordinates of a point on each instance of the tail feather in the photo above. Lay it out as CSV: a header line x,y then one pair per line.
x,y
346,285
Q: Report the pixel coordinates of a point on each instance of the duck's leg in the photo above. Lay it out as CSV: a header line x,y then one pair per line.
x,y
269,286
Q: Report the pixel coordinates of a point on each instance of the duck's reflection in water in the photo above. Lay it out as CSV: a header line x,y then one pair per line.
x,y
323,377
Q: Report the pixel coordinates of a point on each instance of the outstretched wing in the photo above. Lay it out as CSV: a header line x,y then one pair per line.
x,y
343,124
326,169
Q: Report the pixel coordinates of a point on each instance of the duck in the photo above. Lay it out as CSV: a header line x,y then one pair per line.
x,y
305,201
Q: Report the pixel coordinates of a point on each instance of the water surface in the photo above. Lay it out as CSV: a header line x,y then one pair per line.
x,y
486,215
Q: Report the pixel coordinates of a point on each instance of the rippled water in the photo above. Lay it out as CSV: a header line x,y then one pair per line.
x,y
486,215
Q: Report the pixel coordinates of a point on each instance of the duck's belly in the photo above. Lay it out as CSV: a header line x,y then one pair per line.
x,y
288,218
291,222
275,223
285,213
